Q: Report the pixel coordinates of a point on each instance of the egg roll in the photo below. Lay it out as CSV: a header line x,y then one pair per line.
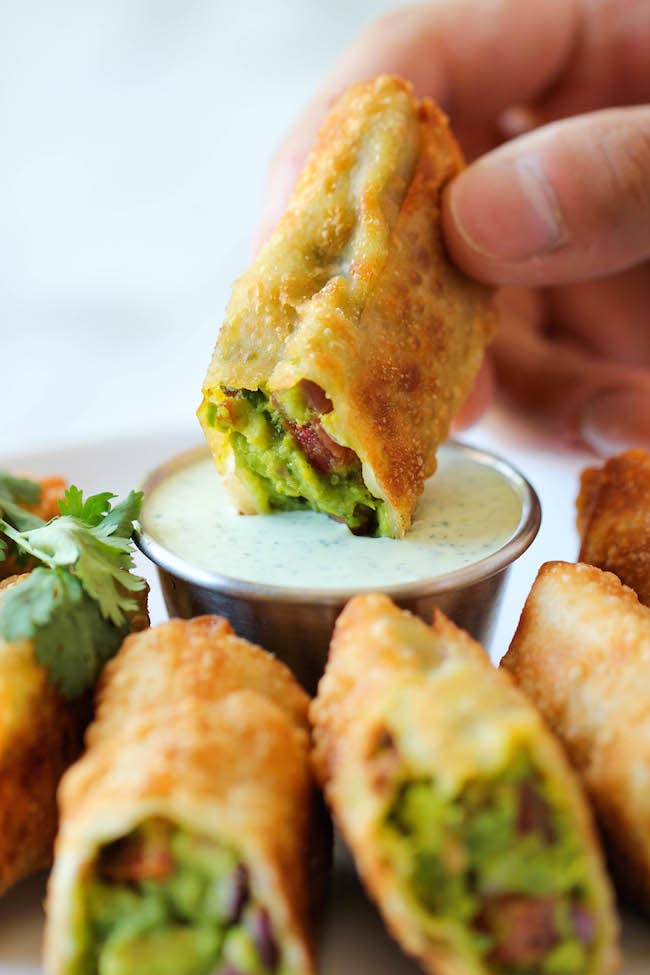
x,y
41,734
613,509
189,840
351,341
465,820
582,654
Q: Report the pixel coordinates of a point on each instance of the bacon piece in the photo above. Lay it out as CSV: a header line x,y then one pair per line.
x,y
316,397
137,858
321,451
534,814
384,761
523,928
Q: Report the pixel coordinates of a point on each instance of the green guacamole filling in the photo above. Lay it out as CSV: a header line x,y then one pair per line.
x,y
281,475
163,902
503,861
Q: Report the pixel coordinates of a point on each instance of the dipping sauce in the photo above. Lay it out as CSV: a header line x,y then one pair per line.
x,y
468,511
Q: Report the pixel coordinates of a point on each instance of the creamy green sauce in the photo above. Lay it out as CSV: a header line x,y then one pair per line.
x,y
467,512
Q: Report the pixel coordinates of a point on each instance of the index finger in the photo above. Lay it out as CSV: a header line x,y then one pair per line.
x,y
474,57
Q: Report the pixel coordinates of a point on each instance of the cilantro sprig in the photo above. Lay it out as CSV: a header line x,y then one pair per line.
x,y
72,640
15,492
75,606
89,538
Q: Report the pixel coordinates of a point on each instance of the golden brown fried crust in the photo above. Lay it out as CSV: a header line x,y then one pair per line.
x,y
52,490
29,777
582,654
354,292
402,700
40,735
614,519
201,727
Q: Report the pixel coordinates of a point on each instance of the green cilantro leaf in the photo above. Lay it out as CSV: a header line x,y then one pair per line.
x,y
91,511
72,640
19,489
95,546
119,520
14,493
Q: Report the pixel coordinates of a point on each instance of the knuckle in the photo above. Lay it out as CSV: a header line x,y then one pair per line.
x,y
626,153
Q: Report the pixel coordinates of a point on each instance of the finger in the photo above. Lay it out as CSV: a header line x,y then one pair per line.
x,y
573,396
609,61
478,399
608,317
460,53
567,202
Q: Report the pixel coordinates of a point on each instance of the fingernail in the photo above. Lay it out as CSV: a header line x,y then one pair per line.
x,y
617,419
507,210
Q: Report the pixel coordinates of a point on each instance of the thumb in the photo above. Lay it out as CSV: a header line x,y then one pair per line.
x,y
567,202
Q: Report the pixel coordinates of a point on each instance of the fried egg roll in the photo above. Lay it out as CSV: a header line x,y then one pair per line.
x,y
614,519
187,828
41,734
582,654
351,341
466,822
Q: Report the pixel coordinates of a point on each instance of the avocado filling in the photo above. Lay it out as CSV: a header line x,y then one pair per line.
x,y
288,460
504,861
163,902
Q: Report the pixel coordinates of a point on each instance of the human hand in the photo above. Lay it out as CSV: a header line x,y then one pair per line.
x,y
556,207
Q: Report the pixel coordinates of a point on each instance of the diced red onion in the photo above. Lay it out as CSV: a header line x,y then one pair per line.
x,y
237,894
260,930
584,924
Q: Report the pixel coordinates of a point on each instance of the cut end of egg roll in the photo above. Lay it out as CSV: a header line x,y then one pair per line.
x,y
613,514
189,841
582,654
351,341
463,816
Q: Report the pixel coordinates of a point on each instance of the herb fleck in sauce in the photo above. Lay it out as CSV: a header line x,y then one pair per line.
x,y
467,512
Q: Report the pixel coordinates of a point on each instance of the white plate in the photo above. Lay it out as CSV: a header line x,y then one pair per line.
x,y
353,940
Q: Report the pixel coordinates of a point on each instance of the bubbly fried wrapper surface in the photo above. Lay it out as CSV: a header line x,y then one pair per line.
x,y
208,732
404,706
613,509
41,734
582,654
354,293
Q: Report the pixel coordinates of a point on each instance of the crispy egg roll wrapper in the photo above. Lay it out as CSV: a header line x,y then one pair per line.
x,y
401,698
41,734
210,733
354,292
614,519
582,654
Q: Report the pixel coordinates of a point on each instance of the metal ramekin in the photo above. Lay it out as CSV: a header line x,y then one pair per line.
x,y
296,624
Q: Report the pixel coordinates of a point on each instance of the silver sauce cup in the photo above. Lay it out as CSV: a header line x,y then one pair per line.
x,y
296,624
